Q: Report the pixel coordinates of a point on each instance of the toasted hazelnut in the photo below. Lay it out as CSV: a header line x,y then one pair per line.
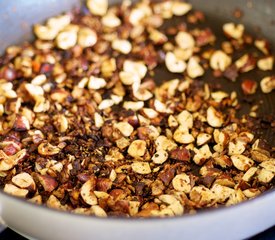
x,y
174,64
98,7
267,84
8,162
125,128
172,121
141,167
47,149
182,183
251,192
87,193
266,64
242,162
245,63
269,165
39,80
223,161
138,68
222,193
160,157
66,39
128,78
220,60
181,8
61,123
142,94
185,40
203,138
96,83
194,69
265,176
157,37
45,32
99,121
137,148
21,123
150,113
13,190
98,211
106,103
135,106
122,46
86,37
24,180
234,31
249,87
48,182
214,118
219,96
262,45
185,119
110,20
200,194
236,148
202,154
249,174
181,135
59,22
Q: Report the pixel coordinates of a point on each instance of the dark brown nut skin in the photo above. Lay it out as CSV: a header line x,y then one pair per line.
x,y
103,184
48,182
167,174
180,154
249,87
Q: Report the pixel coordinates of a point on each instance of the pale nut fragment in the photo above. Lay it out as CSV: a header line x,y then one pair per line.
x,y
8,162
98,119
122,143
236,148
128,78
87,192
142,94
219,96
47,149
185,119
222,193
53,202
214,117
133,207
202,154
61,123
59,22
249,174
194,69
262,45
106,103
269,165
181,8
150,113
135,106
86,37
172,121
182,183
135,67
251,192
24,180
125,128
110,20
266,64
160,157
181,135
96,83
157,37
122,46
163,143
98,7
136,16
201,194
233,30
137,148
141,167
45,32
267,84
174,64
203,138
15,191
242,162
265,176
220,60
66,39
98,211
39,80
185,40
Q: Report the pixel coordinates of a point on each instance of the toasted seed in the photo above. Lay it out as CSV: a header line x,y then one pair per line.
x,y
141,167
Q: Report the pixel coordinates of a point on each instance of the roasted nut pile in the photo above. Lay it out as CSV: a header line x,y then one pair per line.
x,y
85,128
